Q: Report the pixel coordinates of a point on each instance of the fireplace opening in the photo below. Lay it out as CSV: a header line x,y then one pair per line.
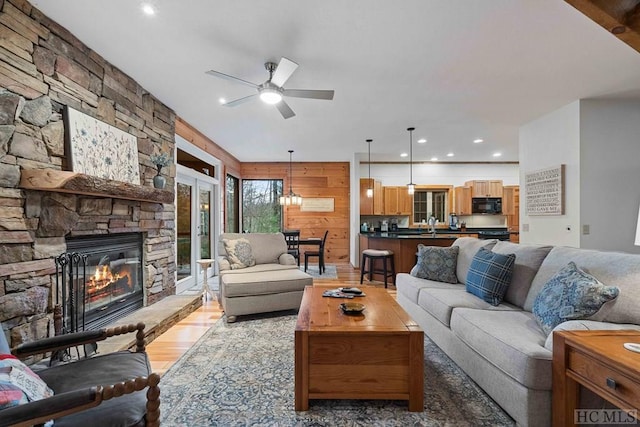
x,y
100,280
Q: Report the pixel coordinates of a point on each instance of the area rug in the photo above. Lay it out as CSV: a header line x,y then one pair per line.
x,y
330,273
241,374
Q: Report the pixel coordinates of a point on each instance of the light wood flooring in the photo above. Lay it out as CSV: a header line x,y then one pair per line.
x,y
166,349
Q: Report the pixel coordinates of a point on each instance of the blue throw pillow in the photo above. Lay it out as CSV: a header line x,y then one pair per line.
x,y
436,263
489,275
571,294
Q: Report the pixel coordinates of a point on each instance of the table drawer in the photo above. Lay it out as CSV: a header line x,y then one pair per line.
x,y
603,376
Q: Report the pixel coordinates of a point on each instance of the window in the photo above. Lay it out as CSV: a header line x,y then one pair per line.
x,y
428,201
232,204
261,210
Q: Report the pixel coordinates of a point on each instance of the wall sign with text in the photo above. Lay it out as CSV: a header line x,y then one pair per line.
x,y
545,191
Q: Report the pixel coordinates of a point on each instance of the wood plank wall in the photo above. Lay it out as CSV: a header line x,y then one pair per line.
x,y
311,179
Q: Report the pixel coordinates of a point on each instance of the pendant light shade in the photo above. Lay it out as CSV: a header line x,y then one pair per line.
x,y
411,187
291,198
370,187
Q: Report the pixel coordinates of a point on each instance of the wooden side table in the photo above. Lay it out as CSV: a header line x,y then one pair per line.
x,y
598,361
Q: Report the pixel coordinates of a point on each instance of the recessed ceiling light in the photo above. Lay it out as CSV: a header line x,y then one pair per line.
x,y
434,159
422,140
403,155
222,101
148,9
497,154
478,141
449,154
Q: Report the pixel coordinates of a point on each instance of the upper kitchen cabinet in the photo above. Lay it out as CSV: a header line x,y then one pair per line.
x,y
397,201
510,199
463,200
485,188
371,205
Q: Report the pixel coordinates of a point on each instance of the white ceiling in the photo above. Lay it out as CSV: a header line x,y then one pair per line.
x,y
456,70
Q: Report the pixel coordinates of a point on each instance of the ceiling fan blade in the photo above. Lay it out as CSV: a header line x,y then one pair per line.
x,y
239,101
231,78
285,110
285,68
307,93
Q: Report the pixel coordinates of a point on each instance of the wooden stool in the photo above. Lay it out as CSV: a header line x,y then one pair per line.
x,y
388,268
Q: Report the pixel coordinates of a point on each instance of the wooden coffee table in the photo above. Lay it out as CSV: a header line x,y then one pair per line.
x,y
378,354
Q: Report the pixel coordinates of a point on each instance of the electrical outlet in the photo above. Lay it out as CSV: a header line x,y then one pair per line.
x,y
586,229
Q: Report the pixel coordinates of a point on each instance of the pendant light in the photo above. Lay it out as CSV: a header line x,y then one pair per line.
x,y
291,198
370,187
411,187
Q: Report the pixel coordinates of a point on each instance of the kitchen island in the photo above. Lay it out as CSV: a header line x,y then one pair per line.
x,y
405,246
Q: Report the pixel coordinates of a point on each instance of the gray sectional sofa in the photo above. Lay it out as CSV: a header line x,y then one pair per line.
x,y
272,282
502,348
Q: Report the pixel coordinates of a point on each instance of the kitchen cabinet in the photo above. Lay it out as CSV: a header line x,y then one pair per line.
x,y
463,200
397,201
485,188
371,205
511,206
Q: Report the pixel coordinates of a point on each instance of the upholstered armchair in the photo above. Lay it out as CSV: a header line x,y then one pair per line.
x,y
106,389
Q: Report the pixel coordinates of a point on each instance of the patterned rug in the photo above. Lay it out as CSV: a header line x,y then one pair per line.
x,y
241,374
330,273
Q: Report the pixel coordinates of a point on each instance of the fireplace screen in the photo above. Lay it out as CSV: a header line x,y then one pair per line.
x,y
99,280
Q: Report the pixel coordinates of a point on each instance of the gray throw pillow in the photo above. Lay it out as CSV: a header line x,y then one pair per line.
x,y
239,253
571,294
435,263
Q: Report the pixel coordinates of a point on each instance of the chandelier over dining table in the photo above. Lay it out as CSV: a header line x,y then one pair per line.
x,y
291,198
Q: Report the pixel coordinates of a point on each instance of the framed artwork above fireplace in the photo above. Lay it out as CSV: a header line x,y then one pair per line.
x,y
96,148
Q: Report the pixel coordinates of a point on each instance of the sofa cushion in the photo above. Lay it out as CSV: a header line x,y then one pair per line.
x,y
571,294
239,253
587,325
436,263
440,303
468,248
611,268
509,340
489,275
528,260
265,282
410,286
259,268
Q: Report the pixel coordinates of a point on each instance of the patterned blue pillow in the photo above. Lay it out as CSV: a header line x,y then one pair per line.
x,y
571,294
436,263
489,275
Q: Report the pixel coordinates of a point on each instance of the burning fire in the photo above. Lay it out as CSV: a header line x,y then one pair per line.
x,y
103,277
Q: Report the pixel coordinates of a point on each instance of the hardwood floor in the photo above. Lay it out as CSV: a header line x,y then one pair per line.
x,y
165,350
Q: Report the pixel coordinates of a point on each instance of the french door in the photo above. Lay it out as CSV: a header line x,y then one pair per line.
x,y
196,205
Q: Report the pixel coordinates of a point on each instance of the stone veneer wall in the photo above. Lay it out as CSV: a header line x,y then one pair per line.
x,y
43,67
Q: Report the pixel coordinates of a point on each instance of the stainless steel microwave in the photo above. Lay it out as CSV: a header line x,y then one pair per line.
x,y
486,205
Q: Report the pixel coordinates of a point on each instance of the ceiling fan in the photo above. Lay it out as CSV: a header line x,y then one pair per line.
x,y
271,91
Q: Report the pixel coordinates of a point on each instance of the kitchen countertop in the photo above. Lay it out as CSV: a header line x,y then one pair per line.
x,y
425,232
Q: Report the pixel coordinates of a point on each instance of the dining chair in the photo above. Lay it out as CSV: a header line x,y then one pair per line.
x,y
292,237
319,253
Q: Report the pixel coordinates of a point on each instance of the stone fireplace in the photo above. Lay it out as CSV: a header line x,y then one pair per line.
x,y
44,206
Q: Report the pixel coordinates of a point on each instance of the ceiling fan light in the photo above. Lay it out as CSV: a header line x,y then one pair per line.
x,y
270,96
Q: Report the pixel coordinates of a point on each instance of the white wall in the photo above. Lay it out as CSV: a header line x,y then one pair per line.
x,y
442,173
599,142
549,141
610,173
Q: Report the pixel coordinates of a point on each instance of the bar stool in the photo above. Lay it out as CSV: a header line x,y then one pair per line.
x,y
388,266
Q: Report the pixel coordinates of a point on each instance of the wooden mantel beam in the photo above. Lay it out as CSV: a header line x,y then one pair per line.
x,y
77,183
619,17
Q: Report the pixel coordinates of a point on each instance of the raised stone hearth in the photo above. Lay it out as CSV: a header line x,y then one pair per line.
x,y
42,203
